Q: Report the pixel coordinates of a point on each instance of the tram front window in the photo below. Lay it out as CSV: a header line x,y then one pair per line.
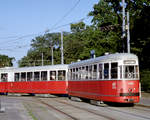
x,y
131,71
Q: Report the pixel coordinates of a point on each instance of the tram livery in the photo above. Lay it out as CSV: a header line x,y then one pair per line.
x,y
109,78
42,79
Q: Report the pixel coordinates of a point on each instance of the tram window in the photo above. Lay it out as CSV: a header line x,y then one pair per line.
x,y
86,73
106,70
114,70
120,71
90,72
77,71
52,75
83,73
130,71
29,76
137,71
73,74
94,71
70,74
100,70
4,77
23,76
44,75
61,75
17,76
36,76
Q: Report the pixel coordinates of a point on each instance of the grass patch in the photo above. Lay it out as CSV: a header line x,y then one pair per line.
x,y
30,112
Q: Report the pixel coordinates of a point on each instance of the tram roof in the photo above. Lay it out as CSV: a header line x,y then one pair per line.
x,y
106,58
38,68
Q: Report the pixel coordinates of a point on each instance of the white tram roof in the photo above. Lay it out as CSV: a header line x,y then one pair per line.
x,y
35,68
106,58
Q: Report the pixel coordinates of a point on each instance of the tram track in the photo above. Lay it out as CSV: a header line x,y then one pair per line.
x,y
60,111
81,108
28,102
110,108
48,103
129,113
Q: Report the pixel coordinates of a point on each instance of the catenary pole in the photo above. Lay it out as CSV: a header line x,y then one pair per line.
x,y
128,32
52,55
62,49
123,24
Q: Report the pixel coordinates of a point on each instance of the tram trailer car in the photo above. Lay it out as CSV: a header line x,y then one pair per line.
x,y
110,78
34,80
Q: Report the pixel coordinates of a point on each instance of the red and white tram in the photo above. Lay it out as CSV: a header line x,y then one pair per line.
x,y
42,79
110,78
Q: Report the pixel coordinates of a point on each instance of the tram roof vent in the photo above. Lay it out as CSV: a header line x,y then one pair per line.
x,y
78,60
107,53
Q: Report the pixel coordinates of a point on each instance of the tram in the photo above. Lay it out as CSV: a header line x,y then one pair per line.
x,y
109,78
34,80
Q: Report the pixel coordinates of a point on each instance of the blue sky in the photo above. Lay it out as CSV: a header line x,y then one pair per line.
x,y
20,18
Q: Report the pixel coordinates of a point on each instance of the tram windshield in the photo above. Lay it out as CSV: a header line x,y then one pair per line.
x,y
131,71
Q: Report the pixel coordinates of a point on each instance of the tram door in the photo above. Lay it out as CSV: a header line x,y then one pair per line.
x,y
4,80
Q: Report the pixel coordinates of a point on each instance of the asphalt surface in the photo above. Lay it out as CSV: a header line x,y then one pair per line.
x,y
61,108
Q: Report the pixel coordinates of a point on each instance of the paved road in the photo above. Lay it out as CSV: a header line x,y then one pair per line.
x,y
13,109
61,108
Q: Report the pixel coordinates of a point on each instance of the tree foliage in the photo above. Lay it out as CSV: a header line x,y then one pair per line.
x,y
104,35
6,61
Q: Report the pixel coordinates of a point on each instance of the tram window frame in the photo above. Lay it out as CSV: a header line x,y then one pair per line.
x,y
53,75
4,77
37,76
61,75
16,77
29,76
114,70
23,76
106,70
100,71
44,75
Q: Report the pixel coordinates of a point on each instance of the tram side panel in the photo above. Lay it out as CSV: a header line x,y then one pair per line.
x,y
34,82
98,90
122,91
3,87
37,87
116,79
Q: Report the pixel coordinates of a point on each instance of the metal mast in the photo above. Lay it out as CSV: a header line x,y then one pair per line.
x,y
128,32
52,55
123,23
62,49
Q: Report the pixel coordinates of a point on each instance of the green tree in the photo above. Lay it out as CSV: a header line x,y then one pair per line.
x,y
6,61
42,45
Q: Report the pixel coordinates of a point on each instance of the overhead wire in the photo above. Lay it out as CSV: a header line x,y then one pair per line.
x,y
31,35
61,19
65,15
14,39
